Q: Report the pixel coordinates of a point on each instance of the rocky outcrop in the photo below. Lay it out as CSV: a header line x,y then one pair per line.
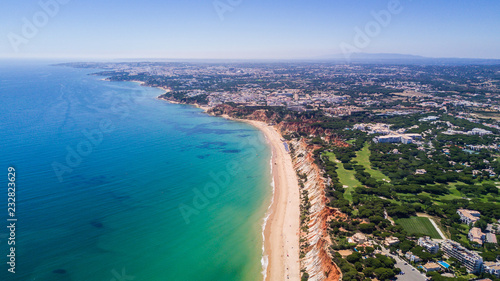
x,y
314,236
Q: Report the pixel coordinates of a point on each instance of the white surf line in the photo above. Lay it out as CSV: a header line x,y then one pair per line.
x,y
265,258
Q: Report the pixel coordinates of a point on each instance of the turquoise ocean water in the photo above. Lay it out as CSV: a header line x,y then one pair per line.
x,y
113,184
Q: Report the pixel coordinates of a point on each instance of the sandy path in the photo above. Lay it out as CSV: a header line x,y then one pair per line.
x,y
282,229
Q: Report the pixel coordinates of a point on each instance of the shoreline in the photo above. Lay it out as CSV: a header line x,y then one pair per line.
x,y
281,227
205,108
281,221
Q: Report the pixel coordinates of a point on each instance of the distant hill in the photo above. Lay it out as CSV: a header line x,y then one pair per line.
x,y
390,58
385,56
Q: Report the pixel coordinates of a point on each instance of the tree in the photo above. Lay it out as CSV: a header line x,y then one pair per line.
x,y
489,256
376,219
369,250
367,227
359,266
373,262
368,272
481,223
354,257
384,273
406,245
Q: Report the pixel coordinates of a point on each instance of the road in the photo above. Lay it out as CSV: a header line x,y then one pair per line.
x,y
410,275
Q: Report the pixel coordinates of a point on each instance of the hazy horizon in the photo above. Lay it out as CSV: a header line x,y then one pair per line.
x,y
247,30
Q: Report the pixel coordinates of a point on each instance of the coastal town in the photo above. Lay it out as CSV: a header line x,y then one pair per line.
x,y
336,89
397,164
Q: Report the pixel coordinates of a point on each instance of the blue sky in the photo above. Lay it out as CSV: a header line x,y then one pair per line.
x,y
249,29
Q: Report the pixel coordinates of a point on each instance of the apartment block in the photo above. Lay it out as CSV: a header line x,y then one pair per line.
x,y
472,261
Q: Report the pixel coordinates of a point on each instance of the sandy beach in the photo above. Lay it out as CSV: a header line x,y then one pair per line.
x,y
281,233
282,229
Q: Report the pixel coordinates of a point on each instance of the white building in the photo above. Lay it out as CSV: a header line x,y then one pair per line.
x,y
428,118
397,138
387,139
492,268
431,266
471,260
390,241
480,132
476,235
468,216
411,257
358,238
427,243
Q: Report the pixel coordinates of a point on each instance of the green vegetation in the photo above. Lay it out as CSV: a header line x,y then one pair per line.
x,y
355,267
385,181
182,97
346,176
454,193
363,158
419,225
399,180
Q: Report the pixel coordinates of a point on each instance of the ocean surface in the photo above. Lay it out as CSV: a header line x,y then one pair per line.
x,y
113,184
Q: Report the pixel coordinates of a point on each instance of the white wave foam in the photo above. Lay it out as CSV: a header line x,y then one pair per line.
x,y
265,259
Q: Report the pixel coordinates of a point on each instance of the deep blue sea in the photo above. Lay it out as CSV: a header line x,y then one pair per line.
x,y
113,184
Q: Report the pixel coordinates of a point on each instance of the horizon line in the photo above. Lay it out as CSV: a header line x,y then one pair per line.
x,y
333,57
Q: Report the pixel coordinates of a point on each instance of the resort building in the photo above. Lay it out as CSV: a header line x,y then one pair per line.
x,y
387,139
492,268
413,136
411,257
431,266
397,138
428,244
360,127
420,172
491,238
428,118
472,261
491,230
390,241
476,235
468,216
480,132
358,238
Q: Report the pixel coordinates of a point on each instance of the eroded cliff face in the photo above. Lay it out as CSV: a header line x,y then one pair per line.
x,y
284,124
314,236
311,128
315,242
